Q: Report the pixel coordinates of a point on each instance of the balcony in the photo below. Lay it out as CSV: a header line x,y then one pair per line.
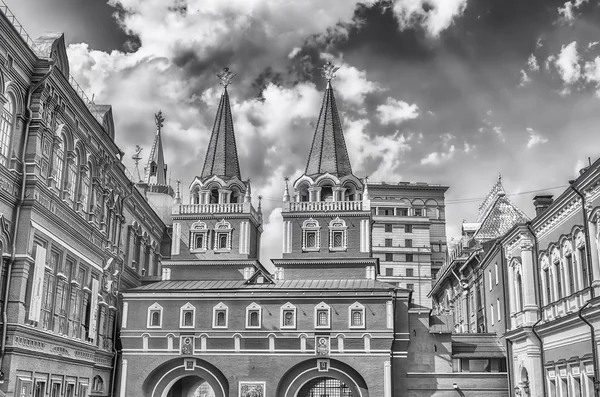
x,y
398,249
323,206
566,305
213,209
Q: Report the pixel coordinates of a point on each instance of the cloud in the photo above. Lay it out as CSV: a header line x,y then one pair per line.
x,y
566,11
434,15
468,148
525,79
592,44
436,158
592,73
535,138
533,63
394,111
567,63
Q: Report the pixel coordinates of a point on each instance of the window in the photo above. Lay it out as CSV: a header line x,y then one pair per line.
x,y
322,315
389,257
548,285
584,267
402,211
199,237
490,278
187,315
498,309
492,313
409,258
388,228
418,211
97,384
408,228
435,247
59,162
311,235
356,315
220,317
6,129
389,271
559,291
409,272
72,179
519,292
388,242
410,287
408,243
496,272
569,264
56,388
155,316
386,211
253,316
337,235
223,236
288,316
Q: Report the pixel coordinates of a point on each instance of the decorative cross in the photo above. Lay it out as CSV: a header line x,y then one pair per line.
x,y
286,178
329,70
159,119
225,77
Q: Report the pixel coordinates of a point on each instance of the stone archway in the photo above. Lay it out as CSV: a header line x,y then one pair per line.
x,y
322,374
181,377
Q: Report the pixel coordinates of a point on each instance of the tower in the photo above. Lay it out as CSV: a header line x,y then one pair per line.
x,y
328,216
218,228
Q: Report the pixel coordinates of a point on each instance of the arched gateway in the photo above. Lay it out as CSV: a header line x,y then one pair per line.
x,y
186,377
317,377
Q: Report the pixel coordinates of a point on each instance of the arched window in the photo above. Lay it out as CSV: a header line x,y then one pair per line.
x,y
327,193
155,316
253,314
311,235
6,130
220,316
72,178
187,314
84,187
98,383
221,319
59,162
338,240
519,292
214,196
155,321
153,168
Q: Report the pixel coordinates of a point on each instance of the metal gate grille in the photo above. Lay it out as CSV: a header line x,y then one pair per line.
x,y
325,387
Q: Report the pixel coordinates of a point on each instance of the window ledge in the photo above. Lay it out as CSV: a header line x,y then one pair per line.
x,y
340,249
322,327
222,250
313,249
253,327
219,326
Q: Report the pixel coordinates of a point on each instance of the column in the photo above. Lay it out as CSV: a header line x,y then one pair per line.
x,y
122,391
529,284
594,228
511,293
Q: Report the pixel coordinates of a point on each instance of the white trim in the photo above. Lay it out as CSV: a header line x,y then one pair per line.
x,y
356,306
170,384
389,305
496,271
338,225
124,315
187,308
176,243
253,307
218,307
311,369
311,225
322,306
152,308
287,307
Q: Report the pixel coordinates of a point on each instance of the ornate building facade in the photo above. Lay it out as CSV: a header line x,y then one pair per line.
x,y
75,230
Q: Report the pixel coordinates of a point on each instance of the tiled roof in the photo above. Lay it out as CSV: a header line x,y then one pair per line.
x,y
328,152
221,156
477,345
500,218
157,156
352,284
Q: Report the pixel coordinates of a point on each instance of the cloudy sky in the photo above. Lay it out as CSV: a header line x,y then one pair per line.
x,y
439,91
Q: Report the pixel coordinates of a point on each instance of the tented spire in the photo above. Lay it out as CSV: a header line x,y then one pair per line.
x,y
156,169
328,152
221,156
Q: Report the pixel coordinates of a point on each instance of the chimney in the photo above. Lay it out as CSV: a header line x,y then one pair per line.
x,y
541,202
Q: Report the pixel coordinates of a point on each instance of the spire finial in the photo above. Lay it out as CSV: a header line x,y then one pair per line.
x,y
286,192
159,120
329,70
136,158
225,77
499,176
178,193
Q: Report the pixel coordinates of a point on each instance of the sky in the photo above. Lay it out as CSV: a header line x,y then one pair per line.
x,y
452,92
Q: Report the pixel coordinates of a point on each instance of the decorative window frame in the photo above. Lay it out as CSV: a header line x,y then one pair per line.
x,y
151,309
285,308
199,228
311,225
253,307
338,225
223,227
217,308
322,306
188,307
356,306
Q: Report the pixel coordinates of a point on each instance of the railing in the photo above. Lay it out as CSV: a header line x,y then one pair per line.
x,y
325,206
230,208
86,100
380,247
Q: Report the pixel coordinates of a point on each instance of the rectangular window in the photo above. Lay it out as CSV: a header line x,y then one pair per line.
x,y
402,211
388,228
410,287
388,242
435,247
338,239
199,241
408,228
155,318
408,243
409,258
222,239
288,318
548,286
322,318
496,272
584,267
357,319
409,272
569,264
558,280
311,239
490,278
479,300
187,318
389,271
492,313
253,319
389,257
498,309
220,318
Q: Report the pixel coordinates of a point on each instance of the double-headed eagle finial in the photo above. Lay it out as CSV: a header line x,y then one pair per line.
x,y
329,70
225,77
159,119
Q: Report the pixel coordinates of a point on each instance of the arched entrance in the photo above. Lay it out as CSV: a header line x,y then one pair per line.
x,y
325,386
186,377
322,377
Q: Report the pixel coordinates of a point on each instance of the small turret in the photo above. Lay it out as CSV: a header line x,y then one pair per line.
x,y
286,191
